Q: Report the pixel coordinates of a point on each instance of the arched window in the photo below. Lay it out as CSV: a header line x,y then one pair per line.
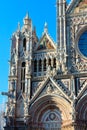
x,y
35,66
44,64
40,65
24,44
54,62
49,62
23,77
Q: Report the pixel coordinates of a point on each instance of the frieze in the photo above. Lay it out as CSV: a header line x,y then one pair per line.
x,y
44,55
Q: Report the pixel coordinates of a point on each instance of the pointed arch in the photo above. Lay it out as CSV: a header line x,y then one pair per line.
x,y
49,61
35,65
40,65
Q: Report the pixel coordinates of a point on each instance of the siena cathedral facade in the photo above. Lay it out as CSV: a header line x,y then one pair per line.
x,y
48,80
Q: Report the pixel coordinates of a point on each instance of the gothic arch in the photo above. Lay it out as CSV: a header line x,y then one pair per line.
x,y
81,108
24,43
50,102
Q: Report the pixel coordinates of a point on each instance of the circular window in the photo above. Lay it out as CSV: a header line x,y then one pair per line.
x,y
82,44
52,116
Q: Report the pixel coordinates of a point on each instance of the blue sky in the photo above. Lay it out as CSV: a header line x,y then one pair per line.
x,y
12,12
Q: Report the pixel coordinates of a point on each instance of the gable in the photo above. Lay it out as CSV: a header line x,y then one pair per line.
x,y
77,6
49,87
46,43
82,7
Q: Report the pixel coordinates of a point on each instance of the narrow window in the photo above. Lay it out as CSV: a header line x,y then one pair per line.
x,y
49,62
40,65
23,77
54,62
44,64
24,44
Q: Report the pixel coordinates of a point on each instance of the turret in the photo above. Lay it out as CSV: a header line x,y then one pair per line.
x,y
20,69
27,23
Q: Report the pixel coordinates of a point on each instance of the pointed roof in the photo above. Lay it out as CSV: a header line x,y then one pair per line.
x,y
26,16
45,43
27,20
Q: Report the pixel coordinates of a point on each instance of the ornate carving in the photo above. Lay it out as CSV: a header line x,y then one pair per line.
x,y
36,86
13,70
26,107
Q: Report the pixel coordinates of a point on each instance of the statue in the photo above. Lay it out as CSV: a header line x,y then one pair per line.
x,y
13,55
13,70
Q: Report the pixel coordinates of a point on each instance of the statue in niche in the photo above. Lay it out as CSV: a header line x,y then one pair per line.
x,y
13,70
29,68
49,88
13,56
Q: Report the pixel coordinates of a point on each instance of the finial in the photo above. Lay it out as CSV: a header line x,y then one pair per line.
x,y
18,26
27,16
45,27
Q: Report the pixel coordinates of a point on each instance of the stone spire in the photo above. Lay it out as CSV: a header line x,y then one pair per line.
x,y
27,23
18,26
26,19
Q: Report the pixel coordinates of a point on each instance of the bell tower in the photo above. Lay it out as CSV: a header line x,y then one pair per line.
x,y
20,73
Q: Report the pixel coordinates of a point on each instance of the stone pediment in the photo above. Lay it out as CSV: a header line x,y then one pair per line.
x,y
46,43
49,88
77,6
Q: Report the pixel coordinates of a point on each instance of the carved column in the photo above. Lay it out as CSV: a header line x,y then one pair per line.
x,y
52,62
46,64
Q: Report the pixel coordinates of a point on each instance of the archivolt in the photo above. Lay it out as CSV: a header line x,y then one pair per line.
x,y
50,102
81,108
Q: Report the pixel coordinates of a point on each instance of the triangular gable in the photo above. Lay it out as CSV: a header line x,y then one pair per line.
x,y
49,87
46,43
77,6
